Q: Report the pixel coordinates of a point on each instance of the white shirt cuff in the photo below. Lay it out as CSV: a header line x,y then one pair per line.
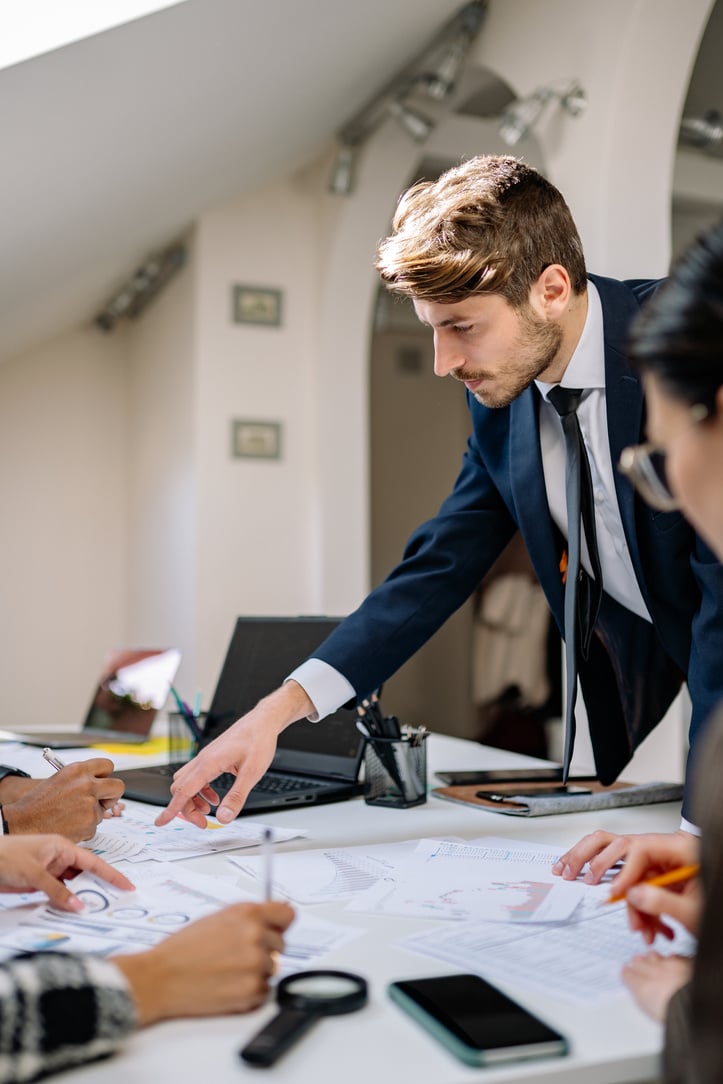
x,y
326,687
688,826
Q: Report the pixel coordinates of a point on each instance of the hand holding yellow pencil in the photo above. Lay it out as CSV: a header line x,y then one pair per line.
x,y
671,877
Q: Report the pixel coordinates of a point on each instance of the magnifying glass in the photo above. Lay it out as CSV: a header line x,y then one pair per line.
x,y
303,999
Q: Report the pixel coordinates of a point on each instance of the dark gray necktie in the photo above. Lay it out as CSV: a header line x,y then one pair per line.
x,y
582,595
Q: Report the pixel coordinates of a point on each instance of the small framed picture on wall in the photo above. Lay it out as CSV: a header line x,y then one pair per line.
x,y
255,439
256,305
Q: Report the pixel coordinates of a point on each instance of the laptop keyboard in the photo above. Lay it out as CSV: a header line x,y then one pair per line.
x,y
273,784
268,784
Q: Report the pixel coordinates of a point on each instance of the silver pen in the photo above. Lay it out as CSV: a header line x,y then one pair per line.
x,y
268,852
53,761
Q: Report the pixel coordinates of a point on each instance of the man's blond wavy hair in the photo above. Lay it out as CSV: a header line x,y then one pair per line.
x,y
490,225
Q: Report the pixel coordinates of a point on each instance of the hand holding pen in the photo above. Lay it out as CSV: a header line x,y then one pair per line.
x,y
71,802
676,894
110,805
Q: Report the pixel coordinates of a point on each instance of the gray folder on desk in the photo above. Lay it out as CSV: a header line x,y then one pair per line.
x,y
527,805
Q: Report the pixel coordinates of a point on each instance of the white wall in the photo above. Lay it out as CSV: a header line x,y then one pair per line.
x,y
64,494
256,539
163,518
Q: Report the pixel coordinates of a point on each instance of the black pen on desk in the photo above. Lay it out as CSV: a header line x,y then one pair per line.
x,y
267,848
53,761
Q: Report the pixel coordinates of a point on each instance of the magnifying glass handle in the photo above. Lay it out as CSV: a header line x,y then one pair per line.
x,y
275,1039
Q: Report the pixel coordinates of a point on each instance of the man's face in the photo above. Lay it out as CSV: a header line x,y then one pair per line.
x,y
495,350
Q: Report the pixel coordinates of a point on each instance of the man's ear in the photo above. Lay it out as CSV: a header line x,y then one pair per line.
x,y
551,294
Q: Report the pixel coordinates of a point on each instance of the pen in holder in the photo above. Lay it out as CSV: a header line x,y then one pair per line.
x,y
182,742
395,769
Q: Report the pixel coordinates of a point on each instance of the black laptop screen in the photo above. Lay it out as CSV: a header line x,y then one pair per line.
x,y
263,651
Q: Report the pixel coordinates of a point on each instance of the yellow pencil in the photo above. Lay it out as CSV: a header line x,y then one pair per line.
x,y
672,877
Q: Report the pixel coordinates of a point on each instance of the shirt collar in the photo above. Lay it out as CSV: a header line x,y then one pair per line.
x,y
586,367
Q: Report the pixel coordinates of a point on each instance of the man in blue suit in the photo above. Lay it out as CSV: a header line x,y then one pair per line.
x,y
492,260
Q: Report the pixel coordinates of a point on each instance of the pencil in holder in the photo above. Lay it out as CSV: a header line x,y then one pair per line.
x,y
395,771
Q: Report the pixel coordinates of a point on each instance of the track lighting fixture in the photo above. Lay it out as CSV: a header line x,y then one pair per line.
x,y
519,118
135,294
432,73
705,132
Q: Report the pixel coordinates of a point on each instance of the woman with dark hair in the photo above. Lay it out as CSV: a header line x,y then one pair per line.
x,y
677,343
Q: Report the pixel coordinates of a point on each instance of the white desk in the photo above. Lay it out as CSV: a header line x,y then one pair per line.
x,y
380,1043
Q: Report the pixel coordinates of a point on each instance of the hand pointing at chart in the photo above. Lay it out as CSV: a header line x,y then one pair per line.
x,y
43,863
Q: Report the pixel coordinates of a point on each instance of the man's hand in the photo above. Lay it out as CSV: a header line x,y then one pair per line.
x,y
246,749
31,863
219,964
72,802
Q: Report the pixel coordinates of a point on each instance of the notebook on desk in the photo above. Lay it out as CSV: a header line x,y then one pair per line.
x,y
314,762
132,687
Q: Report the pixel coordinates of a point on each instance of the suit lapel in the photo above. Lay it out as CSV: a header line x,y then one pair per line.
x,y
624,399
527,482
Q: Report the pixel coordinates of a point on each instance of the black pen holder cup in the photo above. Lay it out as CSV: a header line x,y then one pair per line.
x,y
395,772
182,745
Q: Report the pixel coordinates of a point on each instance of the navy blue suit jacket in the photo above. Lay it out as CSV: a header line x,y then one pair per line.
x,y
635,668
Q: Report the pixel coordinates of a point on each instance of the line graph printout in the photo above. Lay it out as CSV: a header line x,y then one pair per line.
x,y
460,882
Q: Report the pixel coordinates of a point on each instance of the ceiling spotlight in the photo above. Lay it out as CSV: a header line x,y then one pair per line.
x,y
705,133
341,181
440,82
518,120
414,123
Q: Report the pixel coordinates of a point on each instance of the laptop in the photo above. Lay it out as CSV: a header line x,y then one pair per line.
x,y
314,762
132,687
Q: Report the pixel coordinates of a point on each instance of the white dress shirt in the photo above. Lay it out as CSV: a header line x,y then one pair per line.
x,y
586,369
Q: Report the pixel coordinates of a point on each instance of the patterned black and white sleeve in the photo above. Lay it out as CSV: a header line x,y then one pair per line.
x,y
58,1011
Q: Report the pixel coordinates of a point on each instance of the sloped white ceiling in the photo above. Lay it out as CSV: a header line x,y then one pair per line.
x,y
111,146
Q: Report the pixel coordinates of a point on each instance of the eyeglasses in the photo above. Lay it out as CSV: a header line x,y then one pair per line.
x,y
644,465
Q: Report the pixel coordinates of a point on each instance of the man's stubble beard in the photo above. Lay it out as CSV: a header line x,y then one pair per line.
x,y
537,347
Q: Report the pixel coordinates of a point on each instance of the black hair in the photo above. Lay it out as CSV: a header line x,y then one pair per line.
x,y
679,334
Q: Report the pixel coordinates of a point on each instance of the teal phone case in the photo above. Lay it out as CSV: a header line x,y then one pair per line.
x,y
471,1055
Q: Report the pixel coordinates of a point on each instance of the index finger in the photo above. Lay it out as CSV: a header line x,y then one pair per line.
x,y
85,860
94,765
188,781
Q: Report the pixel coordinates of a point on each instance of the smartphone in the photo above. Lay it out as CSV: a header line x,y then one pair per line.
x,y
501,775
541,792
475,1021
